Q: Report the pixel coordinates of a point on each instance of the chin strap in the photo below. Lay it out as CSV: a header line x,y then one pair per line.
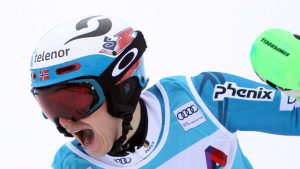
x,y
119,148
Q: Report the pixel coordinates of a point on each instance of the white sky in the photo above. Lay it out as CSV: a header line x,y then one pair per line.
x,y
183,37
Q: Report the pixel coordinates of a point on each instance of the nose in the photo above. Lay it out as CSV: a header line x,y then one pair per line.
x,y
71,126
65,122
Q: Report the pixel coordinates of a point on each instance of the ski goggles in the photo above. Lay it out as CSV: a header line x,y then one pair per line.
x,y
73,100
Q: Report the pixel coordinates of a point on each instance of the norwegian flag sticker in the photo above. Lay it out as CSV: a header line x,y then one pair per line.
x,y
44,74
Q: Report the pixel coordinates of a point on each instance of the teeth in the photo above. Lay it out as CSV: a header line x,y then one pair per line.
x,y
74,132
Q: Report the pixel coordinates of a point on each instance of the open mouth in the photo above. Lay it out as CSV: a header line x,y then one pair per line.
x,y
85,137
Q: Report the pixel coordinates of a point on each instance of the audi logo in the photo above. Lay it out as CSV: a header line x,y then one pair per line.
x,y
123,161
187,112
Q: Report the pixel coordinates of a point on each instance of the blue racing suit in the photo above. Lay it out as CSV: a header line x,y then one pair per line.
x,y
192,123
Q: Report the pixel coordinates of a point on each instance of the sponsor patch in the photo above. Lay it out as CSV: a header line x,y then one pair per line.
x,y
288,103
231,90
123,160
114,45
189,115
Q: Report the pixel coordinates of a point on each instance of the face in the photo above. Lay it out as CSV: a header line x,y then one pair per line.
x,y
97,132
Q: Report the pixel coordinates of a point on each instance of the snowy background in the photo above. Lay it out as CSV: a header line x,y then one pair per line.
x,y
183,37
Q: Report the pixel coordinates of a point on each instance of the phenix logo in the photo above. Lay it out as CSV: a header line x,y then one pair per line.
x,y
231,90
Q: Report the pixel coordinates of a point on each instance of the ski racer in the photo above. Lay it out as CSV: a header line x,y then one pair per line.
x,y
88,78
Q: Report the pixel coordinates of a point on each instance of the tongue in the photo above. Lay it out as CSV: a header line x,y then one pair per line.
x,y
87,136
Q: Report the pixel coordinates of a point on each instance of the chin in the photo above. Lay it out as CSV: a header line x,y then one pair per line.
x,y
98,147
97,154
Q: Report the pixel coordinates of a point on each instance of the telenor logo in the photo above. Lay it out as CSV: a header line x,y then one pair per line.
x,y
231,90
44,56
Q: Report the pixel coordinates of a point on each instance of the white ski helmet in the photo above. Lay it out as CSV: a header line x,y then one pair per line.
x,y
100,50
86,46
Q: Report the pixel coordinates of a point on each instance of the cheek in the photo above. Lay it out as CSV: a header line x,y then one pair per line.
x,y
105,135
105,124
106,129
102,143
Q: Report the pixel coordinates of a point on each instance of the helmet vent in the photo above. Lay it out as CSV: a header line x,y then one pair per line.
x,y
33,76
67,69
127,88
